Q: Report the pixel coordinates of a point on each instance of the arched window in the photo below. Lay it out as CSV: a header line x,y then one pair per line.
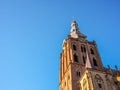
x,y
92,51
84,59
74,47
95,62
78,74
75,58
83,49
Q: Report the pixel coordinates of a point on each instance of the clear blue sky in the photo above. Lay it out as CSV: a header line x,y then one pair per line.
x,y
32,31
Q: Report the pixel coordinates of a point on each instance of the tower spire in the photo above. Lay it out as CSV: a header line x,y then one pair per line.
x,y
75,31
74,26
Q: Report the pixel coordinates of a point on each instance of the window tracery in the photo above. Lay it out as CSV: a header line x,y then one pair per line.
x,y
99,82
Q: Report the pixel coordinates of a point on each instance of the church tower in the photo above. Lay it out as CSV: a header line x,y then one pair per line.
x,y
81,67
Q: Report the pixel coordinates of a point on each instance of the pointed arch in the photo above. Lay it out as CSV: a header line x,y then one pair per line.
x,y
75,58
83,49
92,51
84,59
95,62
78,74
74,47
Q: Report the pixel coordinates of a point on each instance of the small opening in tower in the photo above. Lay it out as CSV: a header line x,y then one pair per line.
x,y
92,51
74,47
75,58
95,62
84,60
78,74
83,49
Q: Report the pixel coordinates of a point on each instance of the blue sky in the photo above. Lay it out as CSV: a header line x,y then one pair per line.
x,y
32,31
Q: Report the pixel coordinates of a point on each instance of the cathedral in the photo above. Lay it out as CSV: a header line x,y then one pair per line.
x,y
81,67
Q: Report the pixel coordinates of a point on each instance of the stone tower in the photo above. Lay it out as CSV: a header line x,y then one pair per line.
x,y
81,67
